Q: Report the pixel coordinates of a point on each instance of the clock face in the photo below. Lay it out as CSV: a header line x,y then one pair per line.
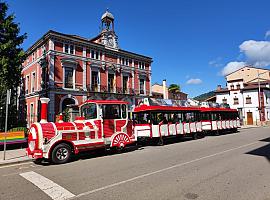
x,y
111,42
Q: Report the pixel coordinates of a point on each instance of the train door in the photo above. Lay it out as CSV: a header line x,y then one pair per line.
x,y
110,112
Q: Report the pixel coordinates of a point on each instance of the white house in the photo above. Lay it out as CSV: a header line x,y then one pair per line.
x,y
242,93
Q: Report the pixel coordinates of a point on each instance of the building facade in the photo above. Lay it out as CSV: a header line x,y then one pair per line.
x,y
70,69
248,90
162,92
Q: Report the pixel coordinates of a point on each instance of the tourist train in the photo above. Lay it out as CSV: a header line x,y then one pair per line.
x,y
106,124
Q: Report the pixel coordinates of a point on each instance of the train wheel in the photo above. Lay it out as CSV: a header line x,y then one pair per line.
x,y
61,153
38,161
195,136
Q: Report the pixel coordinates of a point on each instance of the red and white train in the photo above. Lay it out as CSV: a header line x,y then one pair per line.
x,y
102,124
105,124
158,122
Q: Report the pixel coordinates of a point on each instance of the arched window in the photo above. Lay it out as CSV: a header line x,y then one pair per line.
x,y
66,102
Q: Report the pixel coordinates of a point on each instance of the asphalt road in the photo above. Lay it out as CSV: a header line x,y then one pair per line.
x,y
231,166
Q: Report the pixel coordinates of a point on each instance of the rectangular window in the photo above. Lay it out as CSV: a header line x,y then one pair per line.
x,y
97,55
27,84
111,111
68,77
235,101
126,61
224,101
238,87
71,48
92,54
33,82
33,56
66,48
94,81
89,111
125,84
248,100
141,86
232,87
110,82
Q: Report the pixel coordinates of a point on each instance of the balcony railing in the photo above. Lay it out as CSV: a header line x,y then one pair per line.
x,y
107,89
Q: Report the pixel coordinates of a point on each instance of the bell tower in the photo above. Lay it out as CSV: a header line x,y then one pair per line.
x,y
108,36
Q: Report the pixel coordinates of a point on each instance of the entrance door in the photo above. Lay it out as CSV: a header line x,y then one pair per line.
x,y
249,118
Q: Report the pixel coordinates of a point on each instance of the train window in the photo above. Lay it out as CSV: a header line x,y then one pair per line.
x,y
141,118
111,111
89,111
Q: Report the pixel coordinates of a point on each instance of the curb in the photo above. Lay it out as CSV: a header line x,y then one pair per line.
x,y
15,162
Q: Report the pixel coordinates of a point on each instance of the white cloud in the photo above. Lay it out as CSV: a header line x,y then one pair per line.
x,y
216,62
257,52
267,34
231,67
194,81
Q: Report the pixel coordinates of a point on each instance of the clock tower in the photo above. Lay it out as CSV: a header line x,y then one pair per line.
x,y
108,36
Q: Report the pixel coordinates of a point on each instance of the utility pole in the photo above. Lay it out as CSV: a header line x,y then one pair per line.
x,y
6,121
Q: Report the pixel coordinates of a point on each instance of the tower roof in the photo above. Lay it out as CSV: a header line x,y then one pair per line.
x,y
107,14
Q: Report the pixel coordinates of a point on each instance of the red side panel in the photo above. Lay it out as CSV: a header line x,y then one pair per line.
x,y
47,130
129,128
69,136
108,127
119,124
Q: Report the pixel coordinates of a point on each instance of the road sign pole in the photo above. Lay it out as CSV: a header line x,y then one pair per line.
x,y
6,121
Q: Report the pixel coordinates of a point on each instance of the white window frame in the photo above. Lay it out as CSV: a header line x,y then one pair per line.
x,y
98,71
27,78
32,81
74,77
64,48
144,85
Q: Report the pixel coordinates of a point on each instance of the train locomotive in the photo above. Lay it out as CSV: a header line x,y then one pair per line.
x,y
102,124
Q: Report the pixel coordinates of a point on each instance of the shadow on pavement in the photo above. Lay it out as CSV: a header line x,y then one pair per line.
x,y
262,151
14,146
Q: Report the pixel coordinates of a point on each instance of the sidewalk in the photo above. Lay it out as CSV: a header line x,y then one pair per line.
x,y
13,156
252,126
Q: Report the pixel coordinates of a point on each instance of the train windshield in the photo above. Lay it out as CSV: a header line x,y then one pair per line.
x,y
89,111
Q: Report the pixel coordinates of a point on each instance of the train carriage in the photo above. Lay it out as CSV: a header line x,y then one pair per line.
x,y
216,120
102,124
158,122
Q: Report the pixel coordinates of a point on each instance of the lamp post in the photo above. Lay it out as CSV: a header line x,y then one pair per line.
x,y
259,90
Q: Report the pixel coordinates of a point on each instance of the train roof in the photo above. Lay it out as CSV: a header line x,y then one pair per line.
x,y
143,108
106,102
217,110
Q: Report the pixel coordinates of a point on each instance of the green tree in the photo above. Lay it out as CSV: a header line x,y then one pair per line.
x,y
174,88
11,59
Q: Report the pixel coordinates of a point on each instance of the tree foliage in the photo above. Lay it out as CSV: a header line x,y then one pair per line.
x,y
11,55
174,88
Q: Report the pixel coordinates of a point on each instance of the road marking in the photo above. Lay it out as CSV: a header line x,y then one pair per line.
x,y
52,189
159,171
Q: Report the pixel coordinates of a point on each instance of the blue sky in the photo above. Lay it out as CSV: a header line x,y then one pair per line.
x,y
192,42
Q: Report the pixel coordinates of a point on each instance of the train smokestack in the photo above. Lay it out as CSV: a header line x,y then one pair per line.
x,y
44,109
164,89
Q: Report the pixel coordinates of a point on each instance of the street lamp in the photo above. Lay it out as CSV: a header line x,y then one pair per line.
x,y
259,89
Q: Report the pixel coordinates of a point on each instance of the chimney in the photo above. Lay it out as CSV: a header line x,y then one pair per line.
x,y
44,109
164,89
218,87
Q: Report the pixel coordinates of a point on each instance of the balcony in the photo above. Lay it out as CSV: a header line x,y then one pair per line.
x,y
109,89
